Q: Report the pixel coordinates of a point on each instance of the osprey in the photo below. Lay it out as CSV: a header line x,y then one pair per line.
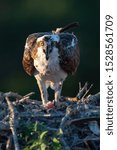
x,y
50,57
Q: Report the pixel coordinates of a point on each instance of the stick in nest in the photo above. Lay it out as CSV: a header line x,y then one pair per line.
x,y
12,123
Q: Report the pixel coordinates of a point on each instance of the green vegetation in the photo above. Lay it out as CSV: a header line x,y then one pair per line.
x,y
37,137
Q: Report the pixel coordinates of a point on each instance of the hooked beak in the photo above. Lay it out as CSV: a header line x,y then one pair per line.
x,y
46,53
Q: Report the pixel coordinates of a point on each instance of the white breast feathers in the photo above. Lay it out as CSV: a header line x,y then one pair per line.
x,y
49,69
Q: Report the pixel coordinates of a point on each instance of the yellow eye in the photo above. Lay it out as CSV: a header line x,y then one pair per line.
x,y
41,43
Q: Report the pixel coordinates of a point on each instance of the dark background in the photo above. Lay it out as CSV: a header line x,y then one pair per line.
x,y
20,18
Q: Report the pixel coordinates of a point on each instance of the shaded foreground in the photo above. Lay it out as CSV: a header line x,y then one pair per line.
x,y
26,125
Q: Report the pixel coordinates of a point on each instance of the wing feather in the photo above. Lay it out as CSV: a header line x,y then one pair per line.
x,y
69,52
30,51
27,59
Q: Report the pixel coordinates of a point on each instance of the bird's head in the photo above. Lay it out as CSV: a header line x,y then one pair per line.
x,y
47,45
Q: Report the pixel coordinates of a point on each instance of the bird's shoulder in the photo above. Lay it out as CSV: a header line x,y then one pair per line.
x,y
69,52
30,52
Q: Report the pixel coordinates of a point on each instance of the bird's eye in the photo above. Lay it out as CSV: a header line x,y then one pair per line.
x,y
41,43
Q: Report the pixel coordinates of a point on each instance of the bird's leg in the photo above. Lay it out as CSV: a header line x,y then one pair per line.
x,y
57,95
43,91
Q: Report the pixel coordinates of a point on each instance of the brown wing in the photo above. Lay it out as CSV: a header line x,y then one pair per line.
x,y
30,51
27,59
69,52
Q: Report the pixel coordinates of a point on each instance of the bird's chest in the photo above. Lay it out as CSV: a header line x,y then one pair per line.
x,y
49,70
45,67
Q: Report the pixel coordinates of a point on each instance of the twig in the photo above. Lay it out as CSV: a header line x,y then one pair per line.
x,y
24,114
9,143
69,111
80,86
83,120
12,94
29,94
52,129
64,121
82,91
79,141
12,123
87,90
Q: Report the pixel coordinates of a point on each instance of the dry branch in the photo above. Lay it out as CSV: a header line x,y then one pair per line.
x,y
12,123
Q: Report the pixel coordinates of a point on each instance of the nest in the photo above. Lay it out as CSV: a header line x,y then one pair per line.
x,y
75,122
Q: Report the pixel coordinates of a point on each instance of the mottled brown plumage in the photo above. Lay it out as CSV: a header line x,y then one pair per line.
x,y
50,57
69,58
